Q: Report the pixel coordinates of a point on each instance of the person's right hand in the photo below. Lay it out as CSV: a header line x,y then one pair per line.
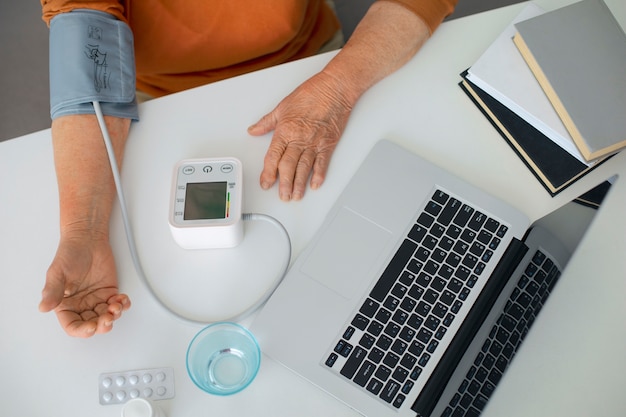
x,y
81,287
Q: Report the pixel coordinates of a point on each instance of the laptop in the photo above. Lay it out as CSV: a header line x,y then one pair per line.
x,y
414,294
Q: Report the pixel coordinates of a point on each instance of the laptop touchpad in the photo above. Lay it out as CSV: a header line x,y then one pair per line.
x,y
343,257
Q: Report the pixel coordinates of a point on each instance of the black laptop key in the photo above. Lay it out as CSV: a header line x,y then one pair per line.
x,y
408,385
354,361
408,361
422,308
383,315
547,266
524,300
360,322
418,232
439,255
472,412
415,266
454,231
425,220
432,208
423,280
440,197
488,389
531,269
466,401
383,373
539,257
332,358
438,284
415,321
533,287
478,219
400,374
422,254
470,261
430,296
343,348
374,386
408,304
400,316
393,270
365,373
399,401
494,376
407,334
399,347
437,230
463,215
367,341
468,235
391,303
447,298
391,329
389,392
484,237
424,335
449,211
407,278
384,342
492,225
552,277
369,308
376,355
446,243
494,243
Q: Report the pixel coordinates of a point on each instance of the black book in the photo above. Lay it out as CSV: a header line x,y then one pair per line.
x,y
553,166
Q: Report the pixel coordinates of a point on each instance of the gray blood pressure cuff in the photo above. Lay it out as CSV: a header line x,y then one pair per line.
x,y
91,59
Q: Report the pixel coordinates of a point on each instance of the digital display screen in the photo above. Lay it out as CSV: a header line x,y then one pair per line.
x,y
206,200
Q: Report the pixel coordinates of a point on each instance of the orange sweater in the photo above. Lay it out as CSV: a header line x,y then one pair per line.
x,y
180,44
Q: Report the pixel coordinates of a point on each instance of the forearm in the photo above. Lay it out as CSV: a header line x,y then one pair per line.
x,y
387,37
86,187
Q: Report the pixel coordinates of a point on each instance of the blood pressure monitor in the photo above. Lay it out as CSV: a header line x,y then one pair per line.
x,y
205,206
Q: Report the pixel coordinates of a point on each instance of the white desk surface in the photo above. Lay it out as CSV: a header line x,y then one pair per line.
x,y
573,362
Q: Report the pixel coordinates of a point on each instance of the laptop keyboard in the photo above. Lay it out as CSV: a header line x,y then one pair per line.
x,y
505,337
400,326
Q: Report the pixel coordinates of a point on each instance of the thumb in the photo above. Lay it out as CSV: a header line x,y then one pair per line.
x,y
52,293
265,125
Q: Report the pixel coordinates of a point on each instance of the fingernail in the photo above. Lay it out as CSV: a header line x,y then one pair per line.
x,y
297,196
265,185
285,196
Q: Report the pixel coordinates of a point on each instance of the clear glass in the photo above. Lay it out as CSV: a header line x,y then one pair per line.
x,y
223,358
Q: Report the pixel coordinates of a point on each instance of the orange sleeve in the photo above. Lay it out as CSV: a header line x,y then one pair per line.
x,y
432,12
51,8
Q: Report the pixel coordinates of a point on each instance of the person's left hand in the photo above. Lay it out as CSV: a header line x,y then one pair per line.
x,y
81,287
307,126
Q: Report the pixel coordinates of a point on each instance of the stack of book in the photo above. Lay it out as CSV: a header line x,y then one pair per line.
x,y
554,86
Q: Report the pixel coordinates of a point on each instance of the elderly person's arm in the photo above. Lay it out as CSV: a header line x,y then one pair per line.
x,y
308,123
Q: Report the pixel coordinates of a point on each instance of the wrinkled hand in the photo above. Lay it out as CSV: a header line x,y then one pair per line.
x,y
81,288
307,126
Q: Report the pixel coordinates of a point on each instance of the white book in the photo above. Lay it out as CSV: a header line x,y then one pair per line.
x,y
502,72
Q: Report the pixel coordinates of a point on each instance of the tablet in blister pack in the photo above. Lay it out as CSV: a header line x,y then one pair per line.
x,y
152,384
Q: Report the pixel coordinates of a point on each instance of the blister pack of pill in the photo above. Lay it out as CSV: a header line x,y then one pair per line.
x,y
152,384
